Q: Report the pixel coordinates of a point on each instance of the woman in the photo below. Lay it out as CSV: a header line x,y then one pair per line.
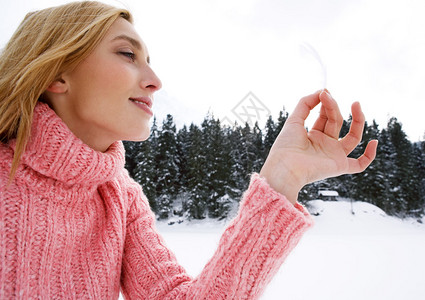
x,y
72,222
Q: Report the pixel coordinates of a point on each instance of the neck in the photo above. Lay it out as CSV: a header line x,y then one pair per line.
x,y
54,151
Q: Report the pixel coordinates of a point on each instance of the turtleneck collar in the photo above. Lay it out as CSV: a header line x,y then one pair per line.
x,y
54,151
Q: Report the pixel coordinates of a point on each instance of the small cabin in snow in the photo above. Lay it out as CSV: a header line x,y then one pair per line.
x,y
328,195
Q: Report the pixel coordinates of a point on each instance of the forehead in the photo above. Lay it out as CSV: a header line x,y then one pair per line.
x,y
122,28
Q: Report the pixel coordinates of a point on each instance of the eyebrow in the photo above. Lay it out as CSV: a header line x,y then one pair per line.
x,y
132,41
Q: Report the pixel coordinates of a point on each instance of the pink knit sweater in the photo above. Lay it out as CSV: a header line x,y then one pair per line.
x,y
73,225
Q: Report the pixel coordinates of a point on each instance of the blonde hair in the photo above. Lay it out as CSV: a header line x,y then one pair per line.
x,y
46,43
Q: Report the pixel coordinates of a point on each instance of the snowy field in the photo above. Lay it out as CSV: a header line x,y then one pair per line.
x,y
360,256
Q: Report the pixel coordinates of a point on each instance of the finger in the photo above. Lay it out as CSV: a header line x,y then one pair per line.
x,y
303,108
320,123
360,164
333,115
354,136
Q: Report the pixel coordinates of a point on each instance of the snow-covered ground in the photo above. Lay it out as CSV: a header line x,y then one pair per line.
x,y
360,256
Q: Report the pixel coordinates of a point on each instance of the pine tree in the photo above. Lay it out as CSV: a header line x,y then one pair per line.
x,y
386,160
167,168
248,153
217,167
281,120
419,177
183,141
270,136
196,204
402,184
234,180
373,182
367,184
258,148
145,172
130,157
141,164
239,174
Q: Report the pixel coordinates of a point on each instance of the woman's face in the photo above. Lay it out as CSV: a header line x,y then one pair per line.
x,y
109,95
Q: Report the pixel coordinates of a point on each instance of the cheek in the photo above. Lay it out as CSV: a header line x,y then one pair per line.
x,y
106,82
103,77
101,87
119,77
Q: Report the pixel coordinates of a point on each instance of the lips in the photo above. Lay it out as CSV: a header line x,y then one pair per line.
x,y
145,100
144,103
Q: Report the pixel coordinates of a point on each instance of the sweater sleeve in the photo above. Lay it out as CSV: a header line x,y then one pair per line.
x,y
249,253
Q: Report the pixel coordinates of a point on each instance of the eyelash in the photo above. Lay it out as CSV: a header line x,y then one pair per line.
x,y
130,55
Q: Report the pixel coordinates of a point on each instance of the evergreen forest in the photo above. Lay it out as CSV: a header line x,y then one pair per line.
x,y
201,171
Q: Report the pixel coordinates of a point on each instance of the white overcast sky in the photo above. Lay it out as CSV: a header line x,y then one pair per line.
x,y
211,54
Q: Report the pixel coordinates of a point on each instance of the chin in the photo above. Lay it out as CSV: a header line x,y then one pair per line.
x,y
142,137
138,134
145,135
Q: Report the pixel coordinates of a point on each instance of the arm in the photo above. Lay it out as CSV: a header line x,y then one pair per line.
x,y
267,227
249,253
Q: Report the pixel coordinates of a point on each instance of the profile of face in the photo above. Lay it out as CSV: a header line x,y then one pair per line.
x,y
109,95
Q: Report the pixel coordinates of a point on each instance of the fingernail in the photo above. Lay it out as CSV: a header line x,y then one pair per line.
x,y
358,103
326,92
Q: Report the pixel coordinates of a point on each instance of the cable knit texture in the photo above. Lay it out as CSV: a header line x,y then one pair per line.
x,y
73,225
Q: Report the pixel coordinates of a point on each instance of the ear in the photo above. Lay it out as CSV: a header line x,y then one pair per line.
x,y
59,86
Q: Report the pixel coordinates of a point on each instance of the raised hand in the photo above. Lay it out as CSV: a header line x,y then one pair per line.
x,y
298,157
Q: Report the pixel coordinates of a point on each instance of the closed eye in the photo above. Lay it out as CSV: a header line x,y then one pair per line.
x,y
130,55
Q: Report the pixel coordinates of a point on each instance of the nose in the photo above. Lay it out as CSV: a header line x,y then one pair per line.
x,y
149,80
